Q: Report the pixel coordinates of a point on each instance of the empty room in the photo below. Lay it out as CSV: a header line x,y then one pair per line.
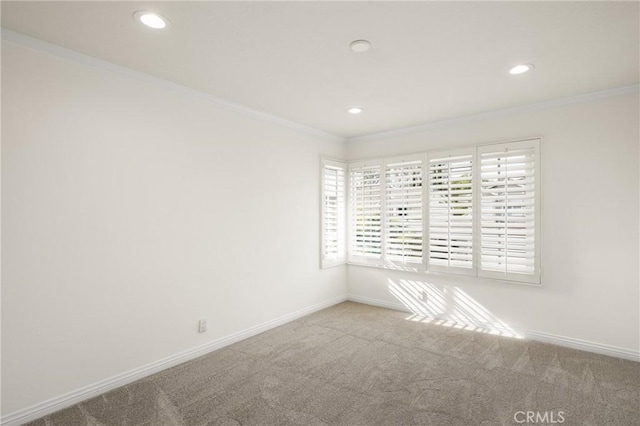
x,y
320,213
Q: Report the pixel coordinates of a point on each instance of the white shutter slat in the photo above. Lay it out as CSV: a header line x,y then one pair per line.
x,y
509,211
472,211
451,209
333,212
403,212
365,212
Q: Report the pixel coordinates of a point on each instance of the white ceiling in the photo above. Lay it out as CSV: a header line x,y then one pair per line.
x,y
429,61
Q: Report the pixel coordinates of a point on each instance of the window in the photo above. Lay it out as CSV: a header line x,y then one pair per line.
x,y
509,194
451,213
333,213
472,211
403,210
365,195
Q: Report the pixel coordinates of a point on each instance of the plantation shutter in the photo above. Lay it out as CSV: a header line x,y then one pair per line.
x,y
509,228
366,212
333,208
403,210
451,221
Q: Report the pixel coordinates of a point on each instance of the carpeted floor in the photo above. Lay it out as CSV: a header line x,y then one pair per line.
x,y
354,364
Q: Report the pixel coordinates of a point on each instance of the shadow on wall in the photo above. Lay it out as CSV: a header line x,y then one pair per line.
x,y
447,306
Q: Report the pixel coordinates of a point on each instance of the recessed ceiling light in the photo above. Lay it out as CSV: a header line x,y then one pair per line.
x,y
151,19
520,69
360,46
355,110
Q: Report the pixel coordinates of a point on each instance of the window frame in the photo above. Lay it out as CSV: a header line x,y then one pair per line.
x,y
453,269
424,267
406,266
341,258
534,278
350,218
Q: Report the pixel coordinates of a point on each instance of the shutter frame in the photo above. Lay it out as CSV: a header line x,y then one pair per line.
x,y
526,218
516,149
446,157
356,252
416,163
328,168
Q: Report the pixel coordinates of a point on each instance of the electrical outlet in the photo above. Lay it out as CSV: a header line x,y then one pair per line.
x,y
202,326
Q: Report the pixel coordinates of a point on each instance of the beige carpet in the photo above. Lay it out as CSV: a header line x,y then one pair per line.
x,y
354,364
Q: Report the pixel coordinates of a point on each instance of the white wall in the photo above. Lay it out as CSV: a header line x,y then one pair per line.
x,y
590,229
125,220
130,211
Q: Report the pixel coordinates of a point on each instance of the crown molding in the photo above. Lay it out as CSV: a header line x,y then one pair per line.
x,y
521,109
72,55
36,44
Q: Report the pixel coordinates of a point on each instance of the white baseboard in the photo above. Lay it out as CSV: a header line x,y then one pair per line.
x,y
377,302
47,407
52,405
583,345
568,342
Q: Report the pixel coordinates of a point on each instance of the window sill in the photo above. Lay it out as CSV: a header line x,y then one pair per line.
x,y
419,270
326,264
